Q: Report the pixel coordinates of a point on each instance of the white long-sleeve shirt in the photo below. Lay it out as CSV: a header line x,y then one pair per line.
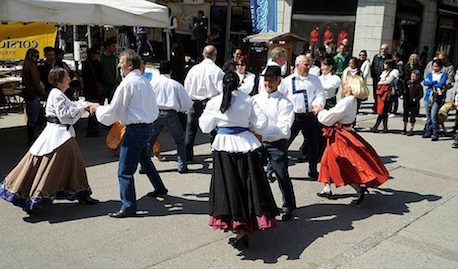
x,y
331,84
388,78
170,94
243,112
204,80
54,135
309,83
280,113
133,102
366,69
247,82
344,112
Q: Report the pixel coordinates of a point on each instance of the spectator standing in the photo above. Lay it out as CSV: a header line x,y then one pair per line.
x,y
109,69
377,67
230,64
199,31
33,91
412,97
340,60
202,82
93,87
364,65
46,66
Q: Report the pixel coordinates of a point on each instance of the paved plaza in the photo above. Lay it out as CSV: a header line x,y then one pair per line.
x,y
409,222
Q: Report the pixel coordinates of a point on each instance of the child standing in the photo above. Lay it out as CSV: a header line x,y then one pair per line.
x,y
412,99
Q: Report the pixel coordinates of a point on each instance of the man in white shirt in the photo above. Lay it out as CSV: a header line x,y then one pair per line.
x,y
278,57
202,82
134,105
275,137
314,70
171,98
305,92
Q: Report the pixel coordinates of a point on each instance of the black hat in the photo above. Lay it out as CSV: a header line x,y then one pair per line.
x,y
272,70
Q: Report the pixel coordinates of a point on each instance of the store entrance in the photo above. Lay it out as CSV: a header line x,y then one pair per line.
x,y
407,29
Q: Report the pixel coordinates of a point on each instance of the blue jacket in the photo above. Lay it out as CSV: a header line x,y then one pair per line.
x,y
428,82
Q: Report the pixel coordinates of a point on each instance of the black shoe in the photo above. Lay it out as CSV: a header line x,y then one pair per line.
x,y
313,175
88,201
271,176
361,194
142,172
121,214
183,171
455,145
288,215
404,132
410,133
426,136
242,242
155,194
325,194
434,138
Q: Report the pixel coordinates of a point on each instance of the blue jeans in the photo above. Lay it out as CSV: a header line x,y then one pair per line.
x,y
277,154
432,123
169,118
33,111
136,148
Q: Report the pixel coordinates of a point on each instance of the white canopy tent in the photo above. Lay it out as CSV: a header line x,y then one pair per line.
x,y
86,12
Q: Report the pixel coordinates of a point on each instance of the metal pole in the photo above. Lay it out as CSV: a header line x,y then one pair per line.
x,y
228,49
167,40
89,37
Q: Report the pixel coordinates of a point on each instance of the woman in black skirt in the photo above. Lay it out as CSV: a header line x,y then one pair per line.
x,y
240,196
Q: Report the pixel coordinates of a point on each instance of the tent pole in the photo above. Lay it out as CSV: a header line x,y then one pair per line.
x,y
89,37
228,50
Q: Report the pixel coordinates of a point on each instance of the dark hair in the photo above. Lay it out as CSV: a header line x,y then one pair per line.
x,y
48,49
354,59
56,75
201,12
328,61
363,51
396,54
230,83
165,67
93,50
438,62
59,51
109,42
390,63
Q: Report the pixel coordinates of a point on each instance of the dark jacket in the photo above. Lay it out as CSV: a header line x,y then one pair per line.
x,y
377,66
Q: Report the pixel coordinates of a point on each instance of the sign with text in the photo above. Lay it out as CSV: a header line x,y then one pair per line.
x,y
17,38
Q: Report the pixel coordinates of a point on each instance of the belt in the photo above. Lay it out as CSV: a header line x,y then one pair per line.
x,y
230,130
167,110
138,124
56,120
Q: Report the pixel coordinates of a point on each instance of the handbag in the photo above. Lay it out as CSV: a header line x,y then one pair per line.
x,y
115,136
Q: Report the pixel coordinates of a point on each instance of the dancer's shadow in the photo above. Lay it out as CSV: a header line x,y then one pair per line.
x,y
291,238
147,207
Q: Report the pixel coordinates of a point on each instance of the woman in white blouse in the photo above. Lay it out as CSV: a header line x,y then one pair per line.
x,y
247,79
388,78
53,167
240,196
348,158
330,82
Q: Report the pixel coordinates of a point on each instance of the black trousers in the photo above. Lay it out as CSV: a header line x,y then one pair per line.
x,y
308,124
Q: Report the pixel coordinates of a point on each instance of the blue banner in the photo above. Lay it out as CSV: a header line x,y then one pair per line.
x,y
264,15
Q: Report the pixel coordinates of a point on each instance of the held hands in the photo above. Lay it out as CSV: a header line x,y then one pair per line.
x,y
316,109
91,107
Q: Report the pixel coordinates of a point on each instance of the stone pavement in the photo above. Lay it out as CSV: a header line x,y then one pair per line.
x,y
409,222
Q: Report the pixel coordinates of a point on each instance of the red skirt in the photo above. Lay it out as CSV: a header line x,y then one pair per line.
x,y
383,93
349,159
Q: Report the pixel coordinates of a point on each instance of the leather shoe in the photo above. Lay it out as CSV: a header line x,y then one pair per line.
x,y
122,214
325,194
313,175
155,194
288,215
271,176
88,201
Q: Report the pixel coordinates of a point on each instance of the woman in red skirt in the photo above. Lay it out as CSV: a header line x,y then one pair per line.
x,y
348,158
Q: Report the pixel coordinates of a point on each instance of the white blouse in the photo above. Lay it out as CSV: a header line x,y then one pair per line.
x,y
246,82
344,112
331,84
243,112
54,135
170,94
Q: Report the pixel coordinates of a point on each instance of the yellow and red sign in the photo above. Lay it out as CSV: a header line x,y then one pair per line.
x,y
17,38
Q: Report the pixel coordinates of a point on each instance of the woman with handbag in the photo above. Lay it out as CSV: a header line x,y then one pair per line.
x,y
388,78
435,97
53,167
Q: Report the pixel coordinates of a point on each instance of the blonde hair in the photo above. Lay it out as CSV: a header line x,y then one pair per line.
x,y
358,87
414,57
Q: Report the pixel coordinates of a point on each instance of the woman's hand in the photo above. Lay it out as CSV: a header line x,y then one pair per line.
x,y
316,109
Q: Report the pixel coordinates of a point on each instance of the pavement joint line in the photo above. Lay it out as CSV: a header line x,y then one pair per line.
x,y
426,173
379,237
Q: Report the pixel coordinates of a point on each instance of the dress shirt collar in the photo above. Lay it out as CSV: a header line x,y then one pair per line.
x,y
208,61
135,72
267,95
165,75
299,76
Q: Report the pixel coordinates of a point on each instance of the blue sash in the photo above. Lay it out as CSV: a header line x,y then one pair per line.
x,y
230,130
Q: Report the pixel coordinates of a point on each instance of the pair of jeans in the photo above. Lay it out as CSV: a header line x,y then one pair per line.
x,y
191,126
33,111
277,155
170,119
432,123
136,148
308,124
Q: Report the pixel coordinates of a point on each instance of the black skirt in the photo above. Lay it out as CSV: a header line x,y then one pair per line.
x,y
240,192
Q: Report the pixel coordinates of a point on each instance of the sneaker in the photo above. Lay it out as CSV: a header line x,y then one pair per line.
x,y
404,132
391,115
